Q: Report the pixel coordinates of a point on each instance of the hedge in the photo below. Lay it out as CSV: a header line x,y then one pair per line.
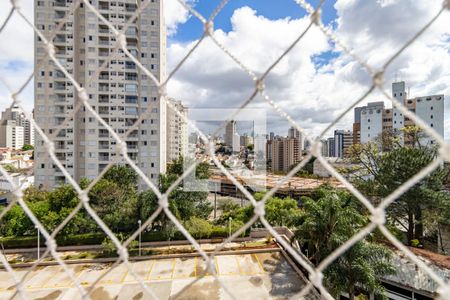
x,y
71,240
97,238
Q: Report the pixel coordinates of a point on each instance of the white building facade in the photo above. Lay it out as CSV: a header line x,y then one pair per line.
x,y
375,119
15,114
177,131
11,135
119,93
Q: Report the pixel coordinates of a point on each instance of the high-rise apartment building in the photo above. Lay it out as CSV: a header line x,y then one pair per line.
x,y
230,131
376,119
294,133
330,144
23,136
177,131
283,153
343,139
119,93
324,150
11,135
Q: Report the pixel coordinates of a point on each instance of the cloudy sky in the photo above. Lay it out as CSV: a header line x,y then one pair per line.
x,y
314,83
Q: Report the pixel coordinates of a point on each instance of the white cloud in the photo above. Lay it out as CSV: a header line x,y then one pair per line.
x,y
315,94
175,14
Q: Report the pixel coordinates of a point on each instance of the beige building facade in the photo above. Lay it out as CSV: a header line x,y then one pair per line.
x,y
120,93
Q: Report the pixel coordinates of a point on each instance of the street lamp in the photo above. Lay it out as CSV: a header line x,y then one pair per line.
x,y
229,226
38,242
139,223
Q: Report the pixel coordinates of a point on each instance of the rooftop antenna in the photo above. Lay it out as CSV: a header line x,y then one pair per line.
x,y
396,77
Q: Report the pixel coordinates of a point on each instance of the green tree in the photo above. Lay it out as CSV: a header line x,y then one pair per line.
x,y
27,147
381,173
115,199
327,222
183,204
10,168
279,211
198,228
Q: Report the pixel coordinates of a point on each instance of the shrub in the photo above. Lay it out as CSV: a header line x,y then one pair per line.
x,y
199,228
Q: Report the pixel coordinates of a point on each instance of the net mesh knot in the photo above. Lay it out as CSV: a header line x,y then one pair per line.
x,y
259,209
378,78
378,217
316,278
315,16
163,202
444,152
209,27
260,85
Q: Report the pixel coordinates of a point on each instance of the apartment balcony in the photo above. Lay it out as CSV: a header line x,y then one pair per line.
x,y
131,32
59,39
103,76
60,3
104,30
103,133
103,88
60,51
60,98
103,53
103,110
103,99
103,145
60,145
103,42
59,87
61,156
104,157
103,6
59,74
59,15
131,99
59,110
130,66
131,7
130,122
59,121
133,52
132,43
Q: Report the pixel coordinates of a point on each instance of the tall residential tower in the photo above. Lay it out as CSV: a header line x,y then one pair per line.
x,y
119,93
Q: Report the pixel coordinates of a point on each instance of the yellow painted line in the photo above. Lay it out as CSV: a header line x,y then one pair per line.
x,y
217,266
173,267
150,270
239,266
195,268
124,276
49,278
259,263
65,285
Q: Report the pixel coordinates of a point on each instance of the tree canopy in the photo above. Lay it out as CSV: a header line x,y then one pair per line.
x,y
328,220
381,173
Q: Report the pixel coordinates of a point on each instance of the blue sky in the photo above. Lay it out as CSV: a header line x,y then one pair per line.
x,y
314,83
193,28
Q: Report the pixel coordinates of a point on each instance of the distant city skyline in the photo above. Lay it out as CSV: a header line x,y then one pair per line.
x,y
327,83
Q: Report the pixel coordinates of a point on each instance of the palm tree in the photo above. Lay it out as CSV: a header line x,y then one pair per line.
x,y
330,219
